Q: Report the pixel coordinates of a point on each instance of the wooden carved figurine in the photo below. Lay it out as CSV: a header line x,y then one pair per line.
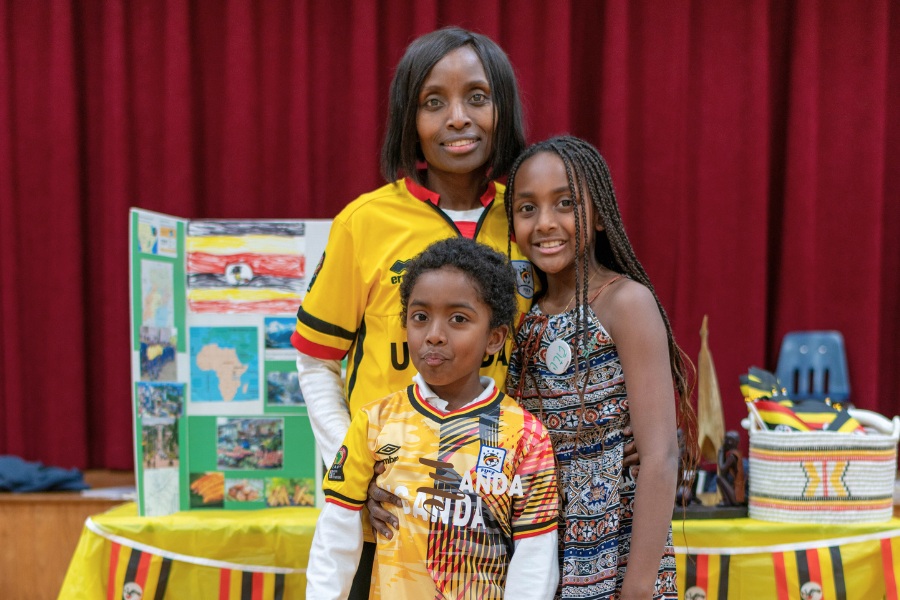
x,y
730,478
684,493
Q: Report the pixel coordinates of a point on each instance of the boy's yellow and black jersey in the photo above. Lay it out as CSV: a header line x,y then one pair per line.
x,y
472,481
352,307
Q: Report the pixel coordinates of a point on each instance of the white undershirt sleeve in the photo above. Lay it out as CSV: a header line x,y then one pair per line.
x,y
334,554
534,569
323,392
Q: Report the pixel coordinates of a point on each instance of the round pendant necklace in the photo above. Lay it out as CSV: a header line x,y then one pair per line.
x,y
559,353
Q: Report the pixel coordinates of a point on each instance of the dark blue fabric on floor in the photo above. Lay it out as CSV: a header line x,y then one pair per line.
x,y
17,475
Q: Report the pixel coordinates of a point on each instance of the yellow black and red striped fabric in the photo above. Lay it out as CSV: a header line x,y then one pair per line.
x,y
776,416
807,571
890,562
245,585
806,415
472,481
135,575
705,576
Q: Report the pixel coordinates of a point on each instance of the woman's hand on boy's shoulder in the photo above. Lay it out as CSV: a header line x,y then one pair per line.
x,y
379,518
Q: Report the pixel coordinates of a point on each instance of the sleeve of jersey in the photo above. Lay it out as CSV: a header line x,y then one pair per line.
x,y
535,512
334,304
347,481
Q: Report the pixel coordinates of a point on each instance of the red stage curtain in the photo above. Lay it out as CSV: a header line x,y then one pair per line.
x,y
753,146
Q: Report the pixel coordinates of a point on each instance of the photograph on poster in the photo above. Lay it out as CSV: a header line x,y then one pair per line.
x,y
157,354
159,437
249,443
278,332
283,491
157,235
160,399
245,266
207,490
283,389
244,490
161,491
224,364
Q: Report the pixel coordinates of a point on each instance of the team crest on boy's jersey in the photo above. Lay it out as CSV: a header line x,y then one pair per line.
x,y
336,472
524,278
490,461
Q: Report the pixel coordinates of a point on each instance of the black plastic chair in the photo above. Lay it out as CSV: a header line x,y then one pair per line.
x,y
813,365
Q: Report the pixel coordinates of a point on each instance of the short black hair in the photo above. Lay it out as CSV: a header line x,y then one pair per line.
x,y
401,151
490,271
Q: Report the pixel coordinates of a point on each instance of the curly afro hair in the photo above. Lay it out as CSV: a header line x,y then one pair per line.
x,y
490,271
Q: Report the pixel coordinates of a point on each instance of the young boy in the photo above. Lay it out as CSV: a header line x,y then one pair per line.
x,y
474,470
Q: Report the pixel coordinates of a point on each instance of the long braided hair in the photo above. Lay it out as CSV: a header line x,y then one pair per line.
x,y
589,174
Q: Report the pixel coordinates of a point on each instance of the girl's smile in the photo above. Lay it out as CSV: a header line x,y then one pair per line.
x,y
544,215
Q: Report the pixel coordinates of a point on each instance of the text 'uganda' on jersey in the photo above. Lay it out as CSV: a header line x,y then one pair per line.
x,y
472,481
353,305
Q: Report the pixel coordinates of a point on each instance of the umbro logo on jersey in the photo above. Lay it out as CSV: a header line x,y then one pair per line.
x,y
387,449
398,267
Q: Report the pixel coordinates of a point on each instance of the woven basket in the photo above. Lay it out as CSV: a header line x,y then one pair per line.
x,y
824,477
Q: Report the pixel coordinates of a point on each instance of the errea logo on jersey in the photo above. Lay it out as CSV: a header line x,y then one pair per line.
x,y
398,267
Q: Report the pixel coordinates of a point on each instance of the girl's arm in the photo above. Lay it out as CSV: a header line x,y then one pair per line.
x,y
636,326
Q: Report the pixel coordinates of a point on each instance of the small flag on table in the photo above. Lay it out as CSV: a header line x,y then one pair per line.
x,y
136,575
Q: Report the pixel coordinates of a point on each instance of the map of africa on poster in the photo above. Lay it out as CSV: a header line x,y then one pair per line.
x,y
224,364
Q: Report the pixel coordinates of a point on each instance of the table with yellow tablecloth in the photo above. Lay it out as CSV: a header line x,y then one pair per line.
x,y
262,555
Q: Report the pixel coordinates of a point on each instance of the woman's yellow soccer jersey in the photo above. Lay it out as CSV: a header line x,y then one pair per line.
x,y
472,481
352,307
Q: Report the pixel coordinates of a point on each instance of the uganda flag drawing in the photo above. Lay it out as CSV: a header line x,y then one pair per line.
x,y
136,575
243,585
245,266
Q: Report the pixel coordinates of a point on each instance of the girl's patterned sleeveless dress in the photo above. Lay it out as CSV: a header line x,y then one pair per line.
x,y
596,492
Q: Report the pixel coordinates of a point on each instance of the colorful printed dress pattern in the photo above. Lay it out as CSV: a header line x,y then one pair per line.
x,y
597,493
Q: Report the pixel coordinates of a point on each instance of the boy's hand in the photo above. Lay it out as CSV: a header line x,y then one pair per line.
x,y
630,458
378,517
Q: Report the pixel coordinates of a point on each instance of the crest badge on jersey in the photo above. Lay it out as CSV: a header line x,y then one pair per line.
x,y
336,472
524,278
490,461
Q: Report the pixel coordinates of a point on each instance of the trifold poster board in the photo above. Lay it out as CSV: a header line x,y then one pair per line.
x,y
219,419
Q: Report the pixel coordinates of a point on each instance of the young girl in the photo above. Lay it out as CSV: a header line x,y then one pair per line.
x,y
597,325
